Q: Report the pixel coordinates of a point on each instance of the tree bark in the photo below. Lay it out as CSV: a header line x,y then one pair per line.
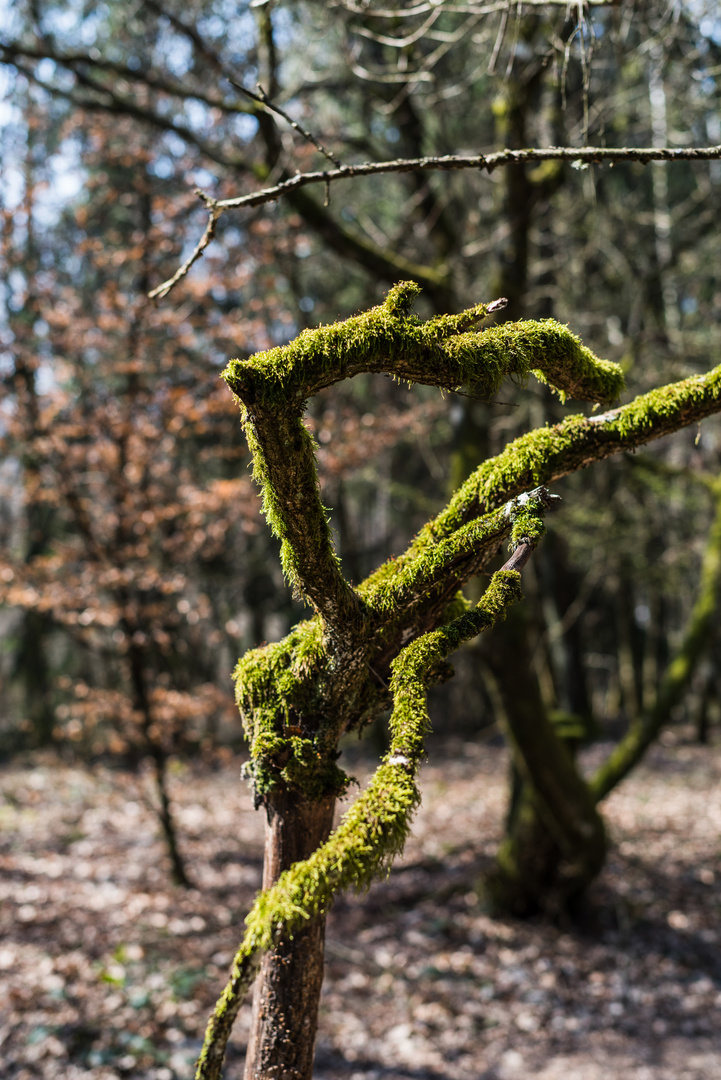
x,y
141,701
555,842
287,991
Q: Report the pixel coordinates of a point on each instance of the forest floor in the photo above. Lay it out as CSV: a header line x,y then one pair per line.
x,y
108,972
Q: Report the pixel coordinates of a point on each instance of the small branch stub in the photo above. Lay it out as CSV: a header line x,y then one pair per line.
x,y
520,556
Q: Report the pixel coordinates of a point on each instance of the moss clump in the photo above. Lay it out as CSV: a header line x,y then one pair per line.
x,y
278,690
526,516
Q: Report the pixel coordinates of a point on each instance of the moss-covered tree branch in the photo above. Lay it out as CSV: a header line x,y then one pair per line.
x,y
645,730
547,454
420,583
372,831
443,351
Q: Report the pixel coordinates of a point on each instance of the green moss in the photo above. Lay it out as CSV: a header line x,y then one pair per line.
x,y
525,514
401,579
373,830
663,403
539,456
284,467
278,693
440,352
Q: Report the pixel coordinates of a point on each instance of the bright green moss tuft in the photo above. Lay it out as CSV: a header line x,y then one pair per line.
x,y
276,689
441,352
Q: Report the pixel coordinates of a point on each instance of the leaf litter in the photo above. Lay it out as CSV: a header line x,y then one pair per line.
x,y
109,973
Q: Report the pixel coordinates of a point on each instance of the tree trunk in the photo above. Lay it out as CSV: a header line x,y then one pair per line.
x,y
695,642
555,840
287,991
154,747
177,865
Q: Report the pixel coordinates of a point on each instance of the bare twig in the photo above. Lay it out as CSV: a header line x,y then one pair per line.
x,y
262,98
483,162
461,8
164,289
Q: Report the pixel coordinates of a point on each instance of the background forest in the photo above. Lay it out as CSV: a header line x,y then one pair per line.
x,y
135,565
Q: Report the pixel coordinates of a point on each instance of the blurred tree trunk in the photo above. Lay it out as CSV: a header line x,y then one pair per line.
x,y
555,840
696,638
154,747
31,661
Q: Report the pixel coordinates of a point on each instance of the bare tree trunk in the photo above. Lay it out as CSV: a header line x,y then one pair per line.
x,y
156,751
555,841
287,991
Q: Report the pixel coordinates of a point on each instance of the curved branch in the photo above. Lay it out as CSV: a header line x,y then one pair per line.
x,y
273,387
442,352
644,731
285,468
454,560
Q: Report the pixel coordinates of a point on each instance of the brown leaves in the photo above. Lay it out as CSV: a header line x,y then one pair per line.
x,y
349,438
109,971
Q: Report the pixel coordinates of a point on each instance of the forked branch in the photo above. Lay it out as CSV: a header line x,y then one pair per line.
x,y
273,387
589,155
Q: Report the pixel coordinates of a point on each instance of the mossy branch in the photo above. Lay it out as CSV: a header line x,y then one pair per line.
x,y
291,729
644,731
444,351
284,466
445,566
537,458
546,454
372,832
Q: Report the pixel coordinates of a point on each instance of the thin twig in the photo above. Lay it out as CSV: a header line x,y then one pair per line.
x,y
460,8
262,99
208,235
483,162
